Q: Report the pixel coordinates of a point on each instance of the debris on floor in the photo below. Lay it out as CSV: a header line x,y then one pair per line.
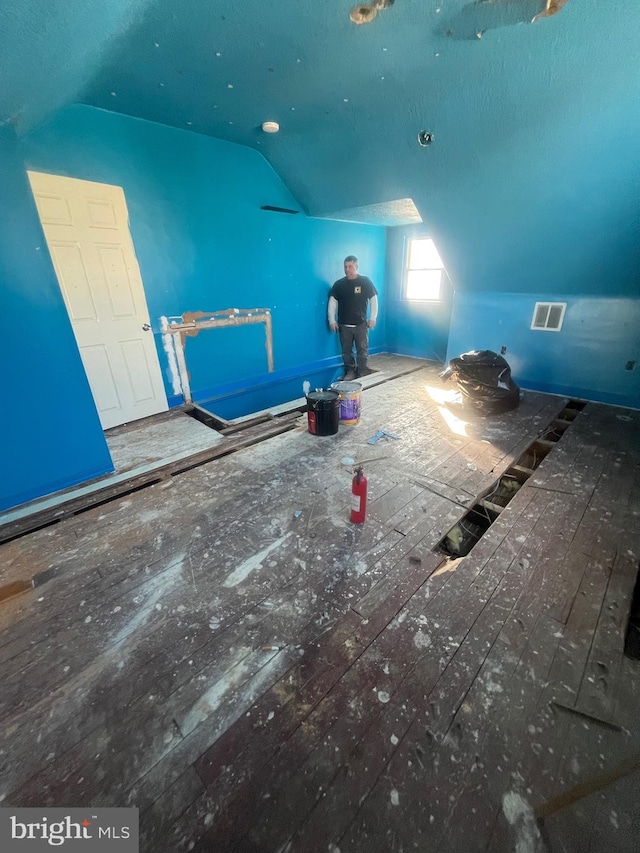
x,y
382,433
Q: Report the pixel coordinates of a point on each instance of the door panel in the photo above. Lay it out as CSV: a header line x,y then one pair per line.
x,y
97,365
74,281
87,231
138,370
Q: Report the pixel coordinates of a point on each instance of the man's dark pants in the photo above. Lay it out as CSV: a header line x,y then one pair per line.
x,y
358,335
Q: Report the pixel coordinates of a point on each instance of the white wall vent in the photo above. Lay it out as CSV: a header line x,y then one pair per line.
x,y
548,316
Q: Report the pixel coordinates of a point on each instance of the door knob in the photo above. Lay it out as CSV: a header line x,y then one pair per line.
x,y
145,327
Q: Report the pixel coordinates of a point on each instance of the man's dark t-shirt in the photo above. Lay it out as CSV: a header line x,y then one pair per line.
x,y
352,296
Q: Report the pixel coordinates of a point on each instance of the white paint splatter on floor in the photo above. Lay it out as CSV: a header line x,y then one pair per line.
x,y
234,683
520,815
152,592
252,563
211,700
421,640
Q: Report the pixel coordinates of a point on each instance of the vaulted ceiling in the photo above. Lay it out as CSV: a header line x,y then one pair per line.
x,y
531,123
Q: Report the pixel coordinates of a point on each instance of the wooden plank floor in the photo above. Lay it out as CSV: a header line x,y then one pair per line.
x,y
155,448
154,439
225,651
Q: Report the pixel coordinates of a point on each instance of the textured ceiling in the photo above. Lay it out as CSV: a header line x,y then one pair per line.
x,y
516,108
351,100
401,211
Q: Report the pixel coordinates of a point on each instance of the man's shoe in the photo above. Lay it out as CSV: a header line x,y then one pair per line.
x,y
349,375
365,371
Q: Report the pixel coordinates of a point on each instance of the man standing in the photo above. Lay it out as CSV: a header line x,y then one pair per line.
x,y
351,295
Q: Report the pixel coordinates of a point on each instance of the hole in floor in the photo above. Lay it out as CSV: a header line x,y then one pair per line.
x,y
575,405
468,531
632,636
223,411
502,491
532,457
206,418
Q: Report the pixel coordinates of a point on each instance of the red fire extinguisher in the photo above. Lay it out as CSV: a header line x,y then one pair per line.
x,y
358,497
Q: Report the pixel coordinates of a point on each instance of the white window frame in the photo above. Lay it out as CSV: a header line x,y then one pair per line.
x,y
548,306
408,269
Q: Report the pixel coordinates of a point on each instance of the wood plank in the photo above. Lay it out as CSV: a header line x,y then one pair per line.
x,y
443,708
551,726
245,638
322,628
481,792
368,706
260,628
284,719
155,439
18,522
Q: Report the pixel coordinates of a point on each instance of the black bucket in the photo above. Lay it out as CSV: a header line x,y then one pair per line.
x,y
323,411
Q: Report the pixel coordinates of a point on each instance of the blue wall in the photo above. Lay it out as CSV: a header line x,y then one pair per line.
x,y
419,329
204,244
586,359
549,206
50,433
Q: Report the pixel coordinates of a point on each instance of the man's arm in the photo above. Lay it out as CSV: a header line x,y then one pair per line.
x,y
373,312
331,313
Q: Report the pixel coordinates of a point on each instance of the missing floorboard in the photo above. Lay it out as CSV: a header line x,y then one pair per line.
x,y
467,532
632,636
206,418
109,492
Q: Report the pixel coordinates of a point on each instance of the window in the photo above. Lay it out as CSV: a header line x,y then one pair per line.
x,y
548,316
423,273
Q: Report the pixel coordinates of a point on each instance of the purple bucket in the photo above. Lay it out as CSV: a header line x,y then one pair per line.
x,y
350,401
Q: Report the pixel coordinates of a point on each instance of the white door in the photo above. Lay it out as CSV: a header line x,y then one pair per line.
x,y
87,230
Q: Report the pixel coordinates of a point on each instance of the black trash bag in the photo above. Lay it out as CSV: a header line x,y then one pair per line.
x,y
484,380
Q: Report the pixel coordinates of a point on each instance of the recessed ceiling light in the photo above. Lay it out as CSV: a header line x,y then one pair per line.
x,y
270,126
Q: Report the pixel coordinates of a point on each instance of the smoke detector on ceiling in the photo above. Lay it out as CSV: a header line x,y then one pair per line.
x,y
270,126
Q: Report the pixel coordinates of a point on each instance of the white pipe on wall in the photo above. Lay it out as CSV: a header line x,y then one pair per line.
x,y
168,342
194,322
